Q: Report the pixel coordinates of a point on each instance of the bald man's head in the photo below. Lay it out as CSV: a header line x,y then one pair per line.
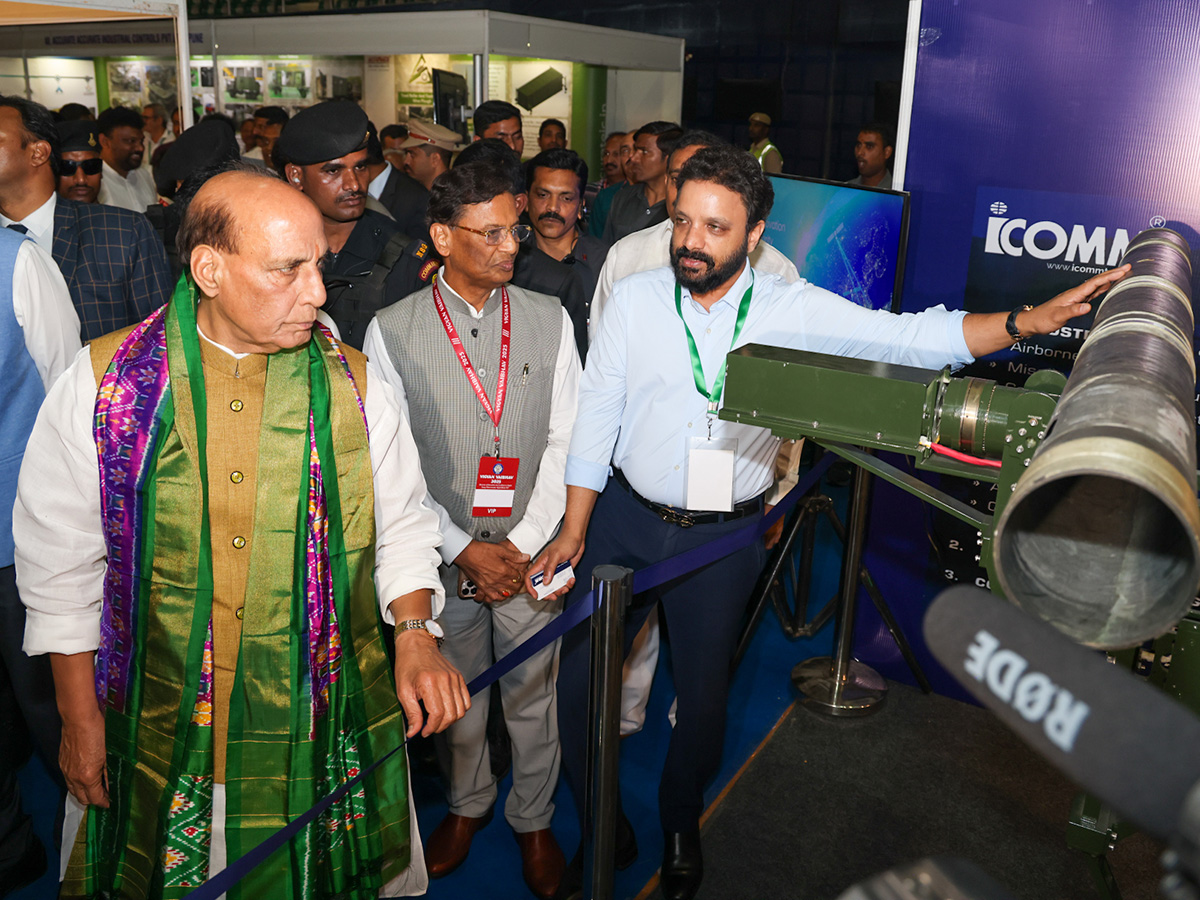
x,y
255,248
211,214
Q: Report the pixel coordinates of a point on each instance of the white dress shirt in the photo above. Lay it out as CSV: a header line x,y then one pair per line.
x,y
638,403
42,306
57,524
548,500
135,192
151,145
650,248
39,224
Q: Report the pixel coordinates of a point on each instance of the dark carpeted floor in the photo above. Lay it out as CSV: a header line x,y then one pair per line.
x,y
828,802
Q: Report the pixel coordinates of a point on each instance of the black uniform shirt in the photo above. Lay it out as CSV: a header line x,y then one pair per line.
x,y
352,298
536,271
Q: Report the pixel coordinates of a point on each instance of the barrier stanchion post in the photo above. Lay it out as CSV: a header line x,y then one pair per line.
x,y
614,589
842,686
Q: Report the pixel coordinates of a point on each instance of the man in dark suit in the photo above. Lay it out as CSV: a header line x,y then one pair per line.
x,y
114,264
405,198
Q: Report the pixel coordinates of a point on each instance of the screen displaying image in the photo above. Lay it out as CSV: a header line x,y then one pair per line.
x,y
844,238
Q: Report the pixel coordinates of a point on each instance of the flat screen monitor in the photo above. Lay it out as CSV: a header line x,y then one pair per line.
x,y
845,238
449,101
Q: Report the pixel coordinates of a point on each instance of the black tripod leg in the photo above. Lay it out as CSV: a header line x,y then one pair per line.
x,y
766,581
894,629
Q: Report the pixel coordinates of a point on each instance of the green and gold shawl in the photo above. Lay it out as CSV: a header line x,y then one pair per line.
x,y
313,698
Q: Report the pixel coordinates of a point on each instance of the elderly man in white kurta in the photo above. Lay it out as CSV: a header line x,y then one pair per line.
x,y
219,508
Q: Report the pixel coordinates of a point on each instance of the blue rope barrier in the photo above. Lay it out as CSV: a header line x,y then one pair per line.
x,y
643,580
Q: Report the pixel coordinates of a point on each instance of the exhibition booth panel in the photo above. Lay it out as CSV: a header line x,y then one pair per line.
x,y
593,79
48,51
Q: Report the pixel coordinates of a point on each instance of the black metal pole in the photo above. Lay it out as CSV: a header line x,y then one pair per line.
x,y
614,589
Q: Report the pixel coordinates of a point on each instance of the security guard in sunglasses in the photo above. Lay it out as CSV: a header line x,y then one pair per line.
x,y
79,168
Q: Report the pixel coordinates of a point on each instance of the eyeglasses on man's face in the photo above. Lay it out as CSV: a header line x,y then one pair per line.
x,y
494,236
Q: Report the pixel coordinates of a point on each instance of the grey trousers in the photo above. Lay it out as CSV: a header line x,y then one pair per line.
x,y
478,634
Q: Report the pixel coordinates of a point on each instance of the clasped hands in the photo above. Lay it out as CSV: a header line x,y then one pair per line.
x,y
497,569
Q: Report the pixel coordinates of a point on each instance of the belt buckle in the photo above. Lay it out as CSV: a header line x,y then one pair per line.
x,y
670,515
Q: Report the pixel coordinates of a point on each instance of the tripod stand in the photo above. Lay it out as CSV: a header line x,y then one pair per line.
x,y
838,685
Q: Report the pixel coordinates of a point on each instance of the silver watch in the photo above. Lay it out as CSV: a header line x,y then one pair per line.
x,y
429,626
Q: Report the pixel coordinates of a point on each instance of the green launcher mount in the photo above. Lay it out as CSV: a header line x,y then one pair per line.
x,y
852,406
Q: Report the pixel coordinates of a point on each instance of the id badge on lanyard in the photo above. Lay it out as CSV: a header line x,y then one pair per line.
x,y
496,482
496,486
710,463
710,473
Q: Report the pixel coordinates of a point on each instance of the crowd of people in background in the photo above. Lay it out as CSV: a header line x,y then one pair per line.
x,y
422,234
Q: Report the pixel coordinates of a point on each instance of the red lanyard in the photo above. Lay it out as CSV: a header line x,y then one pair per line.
x,y
465,361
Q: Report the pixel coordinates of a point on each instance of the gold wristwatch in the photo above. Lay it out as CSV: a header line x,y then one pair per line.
x,y
429,626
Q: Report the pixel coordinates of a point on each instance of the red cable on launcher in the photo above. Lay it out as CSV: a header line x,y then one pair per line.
x,y
964,457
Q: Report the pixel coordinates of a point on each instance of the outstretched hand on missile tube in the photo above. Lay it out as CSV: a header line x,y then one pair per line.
x,y
985,332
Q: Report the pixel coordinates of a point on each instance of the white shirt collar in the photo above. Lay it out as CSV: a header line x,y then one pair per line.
x,y
110,172
40,223
448,289
733,296
375,188
222,347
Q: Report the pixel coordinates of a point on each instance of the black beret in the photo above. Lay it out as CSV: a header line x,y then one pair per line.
x,y
74,136
204,144
323,132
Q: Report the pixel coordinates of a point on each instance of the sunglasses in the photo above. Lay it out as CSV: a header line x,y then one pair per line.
x,y
68,167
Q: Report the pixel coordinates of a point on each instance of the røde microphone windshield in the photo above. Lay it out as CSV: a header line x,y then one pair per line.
x,y
1124,741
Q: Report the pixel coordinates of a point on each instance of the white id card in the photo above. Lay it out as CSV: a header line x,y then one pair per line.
x,y
562,574
710,474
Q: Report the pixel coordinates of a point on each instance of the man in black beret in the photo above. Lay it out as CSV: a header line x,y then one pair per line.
x,y
79,161
322,151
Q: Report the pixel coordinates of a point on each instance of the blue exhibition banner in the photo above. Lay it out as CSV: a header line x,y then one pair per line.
x,y
1043,137
1078,117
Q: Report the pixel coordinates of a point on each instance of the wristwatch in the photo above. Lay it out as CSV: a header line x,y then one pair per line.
x,y
429,626
1010,324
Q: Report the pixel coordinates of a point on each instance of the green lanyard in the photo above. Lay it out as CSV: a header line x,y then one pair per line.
x,y
714,396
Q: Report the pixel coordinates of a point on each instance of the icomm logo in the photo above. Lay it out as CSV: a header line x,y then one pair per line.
x,y
1047,240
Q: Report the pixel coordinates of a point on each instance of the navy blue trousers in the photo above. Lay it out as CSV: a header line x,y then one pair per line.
x,y
704,614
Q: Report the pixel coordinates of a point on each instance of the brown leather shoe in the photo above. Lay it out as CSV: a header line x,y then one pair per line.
x,y
542,862
450,842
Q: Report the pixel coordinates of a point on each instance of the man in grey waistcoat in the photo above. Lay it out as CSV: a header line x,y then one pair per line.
x,y
488,373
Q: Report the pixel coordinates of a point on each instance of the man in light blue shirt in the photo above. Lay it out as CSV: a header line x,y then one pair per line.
x,y
651,388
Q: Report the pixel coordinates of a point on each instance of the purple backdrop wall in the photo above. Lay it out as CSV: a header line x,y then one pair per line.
x,y
1044,136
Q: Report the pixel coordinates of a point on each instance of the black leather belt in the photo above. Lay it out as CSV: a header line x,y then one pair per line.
x,y
685,518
